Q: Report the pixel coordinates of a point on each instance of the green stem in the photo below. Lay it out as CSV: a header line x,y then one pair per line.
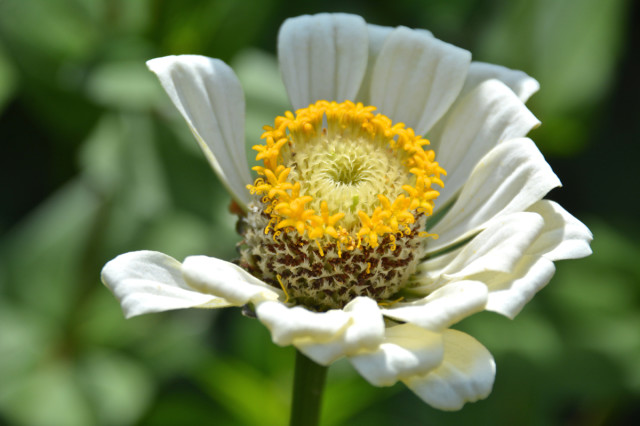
x,y
308,385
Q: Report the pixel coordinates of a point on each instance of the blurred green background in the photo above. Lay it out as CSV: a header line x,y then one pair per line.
x,y
95,162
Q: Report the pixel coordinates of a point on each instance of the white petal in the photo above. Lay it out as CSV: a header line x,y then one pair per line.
x,y
377,35
428,276
563,236
488,115
465,375
148,281
224,279
509,257
209,96
519,82
365,332
498,248
522,84
322,56
442,308
417,77
297,323
498,257
407,351
510,178
508,293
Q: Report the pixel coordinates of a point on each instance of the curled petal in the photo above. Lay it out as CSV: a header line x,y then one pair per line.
x,y
429,273
444,307
512,257
407,351
497,257
148,281
498,248
563,236
364,332
488,115
226,280
509,179
290,324
494,111
509,293
466,374
519,82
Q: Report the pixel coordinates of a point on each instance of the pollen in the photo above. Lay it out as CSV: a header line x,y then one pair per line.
x,y
342,197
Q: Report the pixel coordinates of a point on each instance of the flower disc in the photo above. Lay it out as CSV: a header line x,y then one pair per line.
x,y
344,200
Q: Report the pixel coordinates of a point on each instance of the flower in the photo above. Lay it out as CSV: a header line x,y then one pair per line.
x,y
336,260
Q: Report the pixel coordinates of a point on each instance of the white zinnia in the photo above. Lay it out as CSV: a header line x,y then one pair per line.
x,y
505,236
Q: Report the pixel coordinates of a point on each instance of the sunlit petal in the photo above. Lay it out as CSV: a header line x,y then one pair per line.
x,y
288,324
510,292
148,281
209,96
365,331
322,56
407,351
488,115
563,236
442,308
465,375
224,279
510,178
523,85
417,77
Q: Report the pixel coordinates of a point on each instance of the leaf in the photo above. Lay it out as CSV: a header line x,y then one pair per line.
x,y
572,47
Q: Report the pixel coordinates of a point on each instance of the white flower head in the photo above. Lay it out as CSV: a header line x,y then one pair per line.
x,y
336,259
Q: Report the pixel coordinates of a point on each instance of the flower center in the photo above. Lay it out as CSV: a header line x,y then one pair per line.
x,y
349,173
336,171
344,197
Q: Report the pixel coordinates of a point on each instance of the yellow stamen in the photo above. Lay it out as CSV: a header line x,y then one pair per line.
x,y
283,288
390,302
425,234
392,243
339,173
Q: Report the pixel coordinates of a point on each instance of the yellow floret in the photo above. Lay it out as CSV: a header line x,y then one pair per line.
x,y
331,157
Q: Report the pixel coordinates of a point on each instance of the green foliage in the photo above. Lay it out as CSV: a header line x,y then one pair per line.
x,y
97,163
572,48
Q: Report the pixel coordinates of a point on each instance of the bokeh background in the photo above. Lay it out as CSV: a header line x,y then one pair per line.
x,y
95,162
